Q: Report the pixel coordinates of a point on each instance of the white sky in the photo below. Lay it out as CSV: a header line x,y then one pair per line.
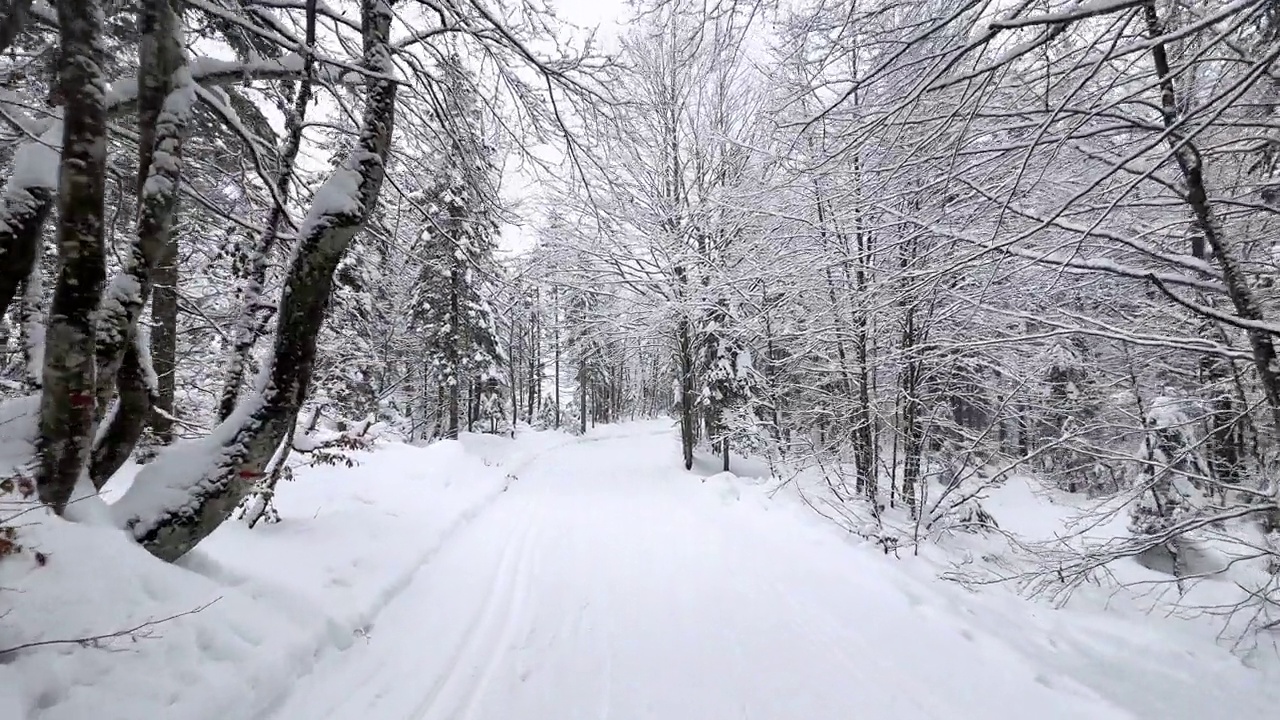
x,y
589,12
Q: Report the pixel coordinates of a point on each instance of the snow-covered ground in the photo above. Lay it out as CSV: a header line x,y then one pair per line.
x,y
600,581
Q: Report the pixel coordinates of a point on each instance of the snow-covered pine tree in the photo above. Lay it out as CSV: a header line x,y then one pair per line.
x,y
449,308
730,384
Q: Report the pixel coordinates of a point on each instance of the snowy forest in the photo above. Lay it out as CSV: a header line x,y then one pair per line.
x,y
892,255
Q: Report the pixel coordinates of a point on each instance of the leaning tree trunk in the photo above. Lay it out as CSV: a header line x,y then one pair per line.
x,y
195,501
116,441
1197,196
67,401
166,94
255,314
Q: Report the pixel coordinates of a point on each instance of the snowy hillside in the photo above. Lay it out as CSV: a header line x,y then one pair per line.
x,y
560,577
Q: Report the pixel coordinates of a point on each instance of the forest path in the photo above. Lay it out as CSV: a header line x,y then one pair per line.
x,y
609,583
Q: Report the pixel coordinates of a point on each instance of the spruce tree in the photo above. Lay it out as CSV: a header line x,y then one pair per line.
x,y
453,318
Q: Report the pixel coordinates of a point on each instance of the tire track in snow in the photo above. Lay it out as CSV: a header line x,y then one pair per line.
x,y
517,615
472,663
397,586
385,596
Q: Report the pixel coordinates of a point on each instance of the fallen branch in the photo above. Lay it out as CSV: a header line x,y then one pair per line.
x,y
138,632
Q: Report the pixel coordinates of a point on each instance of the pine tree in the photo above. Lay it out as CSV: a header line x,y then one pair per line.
x,y
455,322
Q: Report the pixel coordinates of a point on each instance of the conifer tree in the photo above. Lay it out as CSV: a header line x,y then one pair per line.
x,y
456,323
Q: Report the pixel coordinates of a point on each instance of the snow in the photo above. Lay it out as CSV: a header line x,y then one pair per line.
x,y
125,90
168,484
285,594
1081,10
339,195
19,419
559,577
36,162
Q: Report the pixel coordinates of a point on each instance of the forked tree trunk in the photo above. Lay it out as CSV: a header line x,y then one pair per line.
x,y
163,106
195,501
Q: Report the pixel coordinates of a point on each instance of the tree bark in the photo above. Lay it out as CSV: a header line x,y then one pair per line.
x,y
1197,197
164,342
555,301
11,25
116,441
67,400
582,393
455,378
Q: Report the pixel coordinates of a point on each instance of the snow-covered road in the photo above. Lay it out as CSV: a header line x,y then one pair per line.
x,y
607,583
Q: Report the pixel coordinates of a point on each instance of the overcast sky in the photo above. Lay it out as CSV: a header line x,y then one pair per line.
x,y
518,186
589,12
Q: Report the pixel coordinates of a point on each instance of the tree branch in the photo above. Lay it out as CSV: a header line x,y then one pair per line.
x,y
137,632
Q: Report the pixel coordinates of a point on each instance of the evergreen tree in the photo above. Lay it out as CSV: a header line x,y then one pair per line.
x,y
449,309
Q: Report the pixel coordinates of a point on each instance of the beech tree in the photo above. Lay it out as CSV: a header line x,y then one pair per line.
x,y
105,375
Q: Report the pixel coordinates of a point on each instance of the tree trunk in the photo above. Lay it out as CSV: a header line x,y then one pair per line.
x,y
32,319
535,381
688,419
911,430
555,300
116,441
164,341
582,393
67,401
197,500
23,213
11,27
1197,197
255,314
451,430
165,99
166,95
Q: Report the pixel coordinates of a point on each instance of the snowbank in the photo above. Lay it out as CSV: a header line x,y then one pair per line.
x,y
1123,639
282,595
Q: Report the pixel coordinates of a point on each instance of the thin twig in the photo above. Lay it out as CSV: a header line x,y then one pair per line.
x,y
95,641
